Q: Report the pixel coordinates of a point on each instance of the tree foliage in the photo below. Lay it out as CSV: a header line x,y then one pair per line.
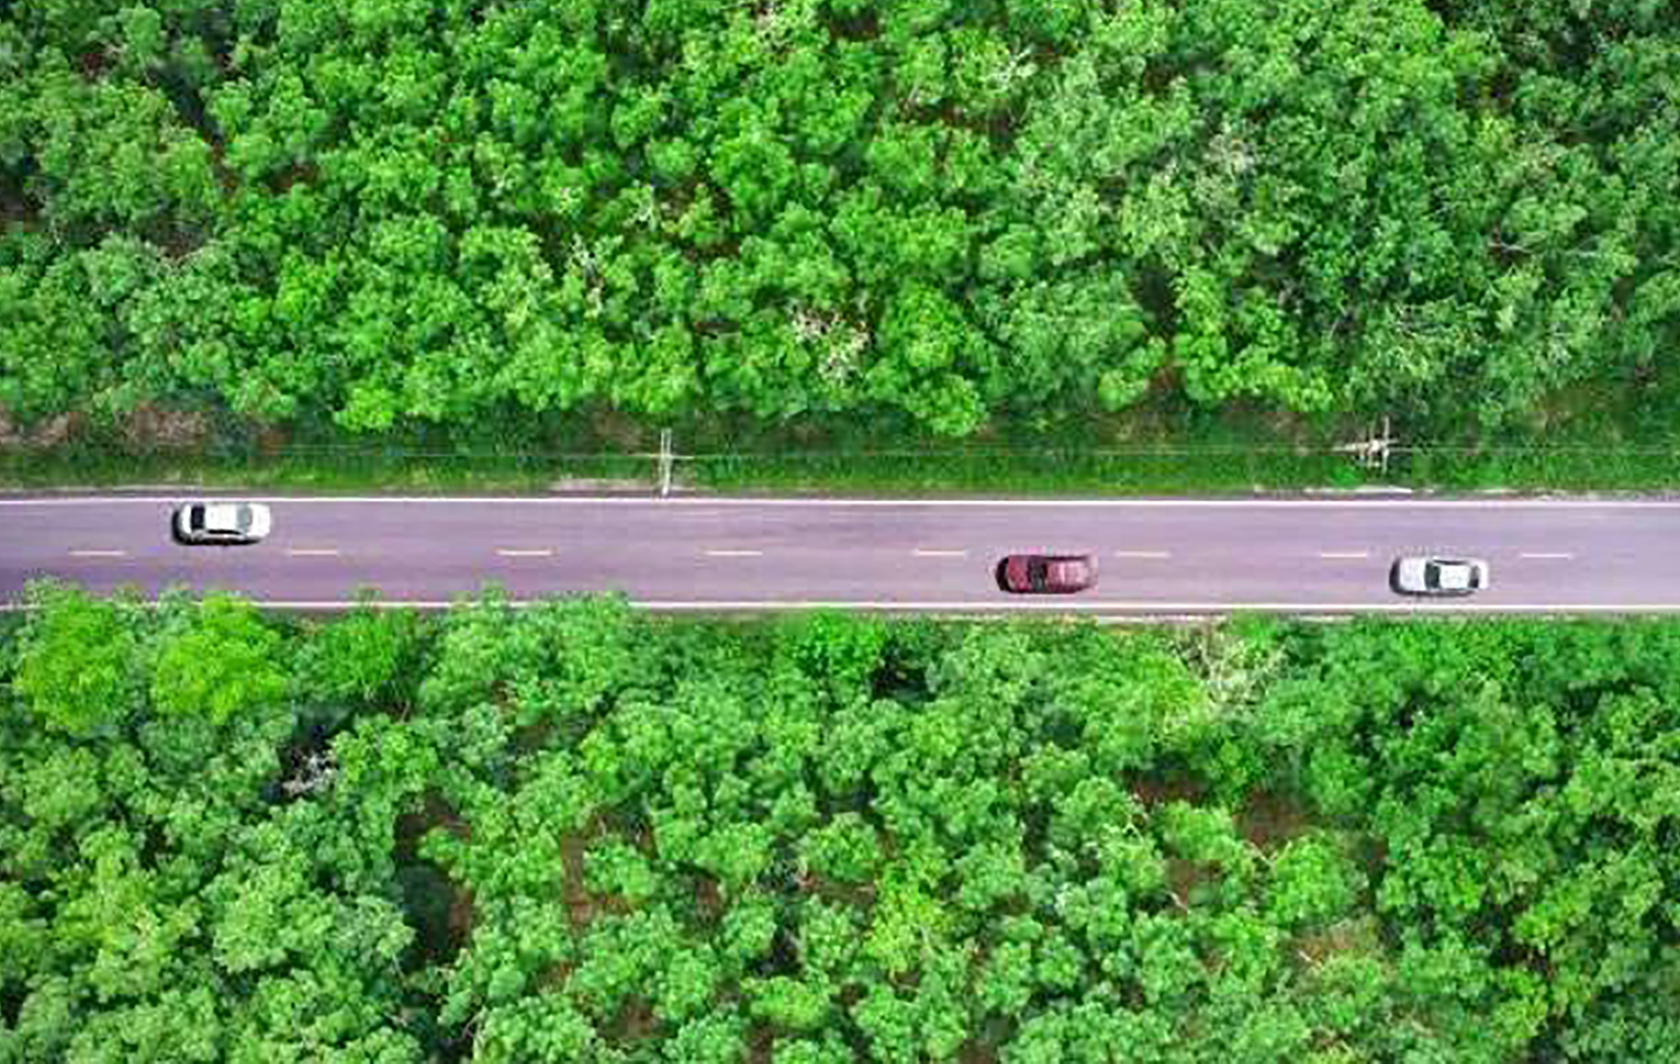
x,y
162,895
573,832
396,214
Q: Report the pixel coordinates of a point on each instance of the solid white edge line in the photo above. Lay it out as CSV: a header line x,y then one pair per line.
x,y
982,608
688,501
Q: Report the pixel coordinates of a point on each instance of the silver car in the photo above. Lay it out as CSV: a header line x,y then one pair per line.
x,y
225,523
1438,576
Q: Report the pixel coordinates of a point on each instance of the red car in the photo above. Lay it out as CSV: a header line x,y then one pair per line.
x,y
1046,574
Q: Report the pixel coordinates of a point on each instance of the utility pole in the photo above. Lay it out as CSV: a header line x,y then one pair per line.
x,y
664,462
1372,452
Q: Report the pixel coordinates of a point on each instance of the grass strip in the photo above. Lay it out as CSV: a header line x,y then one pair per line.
x,y
1035,473
327,473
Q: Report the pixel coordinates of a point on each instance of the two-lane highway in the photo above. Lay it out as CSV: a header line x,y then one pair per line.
x,y
1178,556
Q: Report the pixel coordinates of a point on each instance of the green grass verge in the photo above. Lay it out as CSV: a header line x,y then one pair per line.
x,y
1050,472
980,472
327,473
1042,473
1161,453
1577,470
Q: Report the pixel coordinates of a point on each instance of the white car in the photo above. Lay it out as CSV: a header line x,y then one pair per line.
x,y
1438,576
225,523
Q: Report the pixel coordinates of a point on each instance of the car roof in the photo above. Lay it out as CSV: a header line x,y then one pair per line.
x,y
222,515
1453,574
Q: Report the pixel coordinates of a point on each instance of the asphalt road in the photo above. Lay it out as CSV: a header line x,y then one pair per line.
x,y
1156,556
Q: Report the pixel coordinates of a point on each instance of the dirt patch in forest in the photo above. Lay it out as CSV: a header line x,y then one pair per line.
x,y
462,916
42,435
17,209
983,1047
271,439
708,898
146,428
620,430
440,909
158,428
94,62
434,812
635,1022
305,173
1183,877
1270,820
582,906
1154,792
1357,935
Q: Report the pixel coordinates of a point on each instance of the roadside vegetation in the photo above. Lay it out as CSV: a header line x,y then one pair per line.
x,y
1218,458
362,220
575,832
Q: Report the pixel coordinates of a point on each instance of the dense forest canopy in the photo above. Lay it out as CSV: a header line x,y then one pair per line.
x,y
577,833
397,213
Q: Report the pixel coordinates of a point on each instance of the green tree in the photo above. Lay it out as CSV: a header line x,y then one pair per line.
x,y
76,660
220,664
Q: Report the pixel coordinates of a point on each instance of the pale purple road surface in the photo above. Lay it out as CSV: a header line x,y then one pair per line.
x,y
1155,556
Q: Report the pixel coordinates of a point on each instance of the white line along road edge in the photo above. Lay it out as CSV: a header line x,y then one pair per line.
x,y
982,607
1366,503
